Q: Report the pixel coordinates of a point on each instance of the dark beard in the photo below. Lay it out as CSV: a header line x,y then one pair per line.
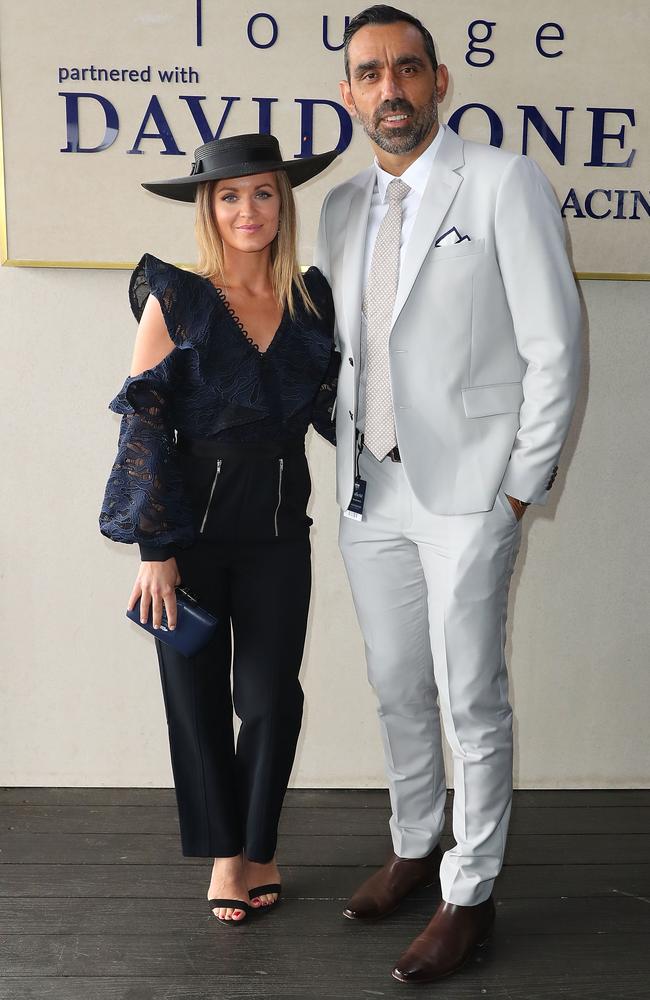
x,y
401,140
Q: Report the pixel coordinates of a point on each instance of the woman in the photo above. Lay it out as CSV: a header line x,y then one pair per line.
x,y
237,358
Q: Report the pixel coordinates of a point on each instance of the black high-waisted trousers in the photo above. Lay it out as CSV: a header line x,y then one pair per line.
x,y
251,568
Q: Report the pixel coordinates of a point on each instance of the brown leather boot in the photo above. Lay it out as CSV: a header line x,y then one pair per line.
x,y
384,891
447,942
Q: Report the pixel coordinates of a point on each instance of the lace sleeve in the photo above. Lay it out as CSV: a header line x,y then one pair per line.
x,y
144,500
324,407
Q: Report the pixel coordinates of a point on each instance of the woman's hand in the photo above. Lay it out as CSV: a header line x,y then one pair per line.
x,y
156,584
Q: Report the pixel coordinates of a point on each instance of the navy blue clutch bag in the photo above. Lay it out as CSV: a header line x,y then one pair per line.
x,y
194,625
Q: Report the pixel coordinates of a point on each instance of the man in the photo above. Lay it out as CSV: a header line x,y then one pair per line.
x,y
458,323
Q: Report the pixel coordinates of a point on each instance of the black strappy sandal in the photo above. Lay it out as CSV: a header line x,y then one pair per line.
x,y
260,890
235,904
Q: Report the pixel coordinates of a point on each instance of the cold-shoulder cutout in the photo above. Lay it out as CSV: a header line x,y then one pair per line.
x,y
152,342
173,287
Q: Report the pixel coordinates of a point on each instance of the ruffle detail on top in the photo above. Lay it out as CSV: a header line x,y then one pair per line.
x,y
223,381
216,383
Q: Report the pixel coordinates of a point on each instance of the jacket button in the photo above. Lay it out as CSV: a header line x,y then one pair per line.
x,y
350,412
351,360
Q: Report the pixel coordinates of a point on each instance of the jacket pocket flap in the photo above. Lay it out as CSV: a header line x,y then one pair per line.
x,y
486,400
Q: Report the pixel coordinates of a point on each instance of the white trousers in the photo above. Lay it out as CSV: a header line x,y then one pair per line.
x,y
431,594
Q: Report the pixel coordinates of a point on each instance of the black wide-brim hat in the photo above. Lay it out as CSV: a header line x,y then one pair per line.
x,y
239,156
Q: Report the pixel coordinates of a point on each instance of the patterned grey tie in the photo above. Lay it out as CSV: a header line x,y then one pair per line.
x,y
379,300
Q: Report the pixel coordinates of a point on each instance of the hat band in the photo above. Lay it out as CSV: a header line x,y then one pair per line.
x,y
224,160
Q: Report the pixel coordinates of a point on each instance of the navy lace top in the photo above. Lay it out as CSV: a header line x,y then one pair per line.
x,y
214,383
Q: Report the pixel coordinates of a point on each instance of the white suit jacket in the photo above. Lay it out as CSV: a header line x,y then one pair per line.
x,y
485,342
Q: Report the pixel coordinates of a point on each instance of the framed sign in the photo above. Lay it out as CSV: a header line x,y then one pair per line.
x,y
96,98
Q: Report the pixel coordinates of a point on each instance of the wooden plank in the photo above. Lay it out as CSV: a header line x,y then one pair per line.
x,y
345,982
324,797
38,796
336,957
336,821
182,881
580,798
587,821
117,849
115,917
367,798
94,819
575,849
31,848
337,798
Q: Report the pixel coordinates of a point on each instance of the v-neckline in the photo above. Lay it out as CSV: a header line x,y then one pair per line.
x,y
221,295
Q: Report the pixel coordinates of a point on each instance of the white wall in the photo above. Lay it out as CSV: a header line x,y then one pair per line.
x,y
80,701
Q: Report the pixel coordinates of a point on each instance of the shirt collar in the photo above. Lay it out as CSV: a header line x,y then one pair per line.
x,y
417,175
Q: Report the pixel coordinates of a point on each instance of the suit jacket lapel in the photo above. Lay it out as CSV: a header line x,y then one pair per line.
x,y
438,195
354,255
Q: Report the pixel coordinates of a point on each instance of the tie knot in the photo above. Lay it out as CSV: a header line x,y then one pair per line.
x,y
397,190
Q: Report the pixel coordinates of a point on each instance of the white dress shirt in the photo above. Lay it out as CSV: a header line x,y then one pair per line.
x,y
416,176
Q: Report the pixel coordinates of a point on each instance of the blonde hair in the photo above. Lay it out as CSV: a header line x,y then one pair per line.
x,y
284,257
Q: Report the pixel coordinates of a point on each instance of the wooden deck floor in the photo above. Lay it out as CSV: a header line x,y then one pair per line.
x,y
96,903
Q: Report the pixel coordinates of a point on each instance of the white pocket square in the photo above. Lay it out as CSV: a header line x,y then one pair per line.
x,y
450,238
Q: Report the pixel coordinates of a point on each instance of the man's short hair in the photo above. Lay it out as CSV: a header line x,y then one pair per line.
x,y
381,13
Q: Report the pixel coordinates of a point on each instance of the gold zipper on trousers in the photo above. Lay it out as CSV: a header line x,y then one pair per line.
x,y
214,483
275,519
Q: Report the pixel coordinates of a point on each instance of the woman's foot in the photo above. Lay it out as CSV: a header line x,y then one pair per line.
x,y
228,882
257,874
